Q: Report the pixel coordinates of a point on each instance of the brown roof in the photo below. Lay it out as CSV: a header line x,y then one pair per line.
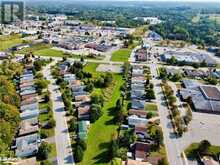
x,y
25,84
140,128
29,96
141,149
138,112
82,98
135,162
75,82
29,101
211,92
84,110
27,127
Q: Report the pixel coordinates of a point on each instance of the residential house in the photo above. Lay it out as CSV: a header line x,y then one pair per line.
x,y
84,112
83,129
139,113
141,150
134,120
27,145
27,127
137,104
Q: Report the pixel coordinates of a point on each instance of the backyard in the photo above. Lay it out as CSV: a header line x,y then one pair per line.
x,y
101,131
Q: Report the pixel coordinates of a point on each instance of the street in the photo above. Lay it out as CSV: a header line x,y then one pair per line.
x,y
62,138
170,139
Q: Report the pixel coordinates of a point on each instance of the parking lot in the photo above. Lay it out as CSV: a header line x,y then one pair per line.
x,y
109,68
203,126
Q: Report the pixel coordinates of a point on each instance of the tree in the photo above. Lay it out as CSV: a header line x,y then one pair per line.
x,y
108,79
41,84
78,154
176,77
82,144
43,151
95,112
97,98
122,153
72,125
204,146
150,94
158,137
51,123
162,162
38,65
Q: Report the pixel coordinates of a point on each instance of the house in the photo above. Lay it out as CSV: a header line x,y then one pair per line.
x,y
81,93
84,112
29,107
83,98
83,129
28,92
141,150
135,120
69,77
29,101
29,114
137,104
28,96
139,113
27,145
77,88
134,162
195,73
141,55
141,132
137,94
27,127
3,55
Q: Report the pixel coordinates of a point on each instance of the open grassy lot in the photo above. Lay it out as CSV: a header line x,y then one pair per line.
x,y
121,55
100,132
34,48
9,41
191,150
91,68
49,52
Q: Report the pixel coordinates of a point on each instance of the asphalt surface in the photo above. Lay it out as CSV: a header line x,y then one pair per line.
x,y
62,138
170,139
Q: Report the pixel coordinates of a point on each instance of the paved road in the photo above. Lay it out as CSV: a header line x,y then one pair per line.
x,y
170,140
62,138
104,61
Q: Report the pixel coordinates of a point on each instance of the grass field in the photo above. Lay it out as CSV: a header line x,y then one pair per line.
x,y
100,132
9,41
151,107
190,151
121,55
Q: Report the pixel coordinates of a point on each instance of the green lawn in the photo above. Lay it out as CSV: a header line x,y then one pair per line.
x,y
100,132
91,68
9,41
34,48
151,107
49,52
121,55
191,150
